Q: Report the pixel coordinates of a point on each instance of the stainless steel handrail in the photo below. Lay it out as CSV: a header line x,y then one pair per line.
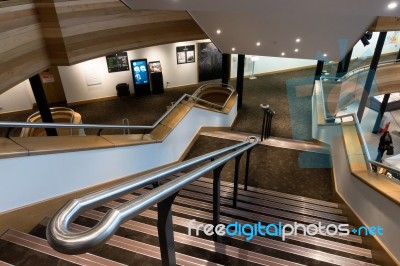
x,y
61,238
103,126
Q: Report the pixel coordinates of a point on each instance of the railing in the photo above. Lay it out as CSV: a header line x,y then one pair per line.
x,y
61,238
357,70
349,74
332,121
101,127
366,154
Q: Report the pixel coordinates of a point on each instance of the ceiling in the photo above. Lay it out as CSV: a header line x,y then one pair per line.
x,y
327,29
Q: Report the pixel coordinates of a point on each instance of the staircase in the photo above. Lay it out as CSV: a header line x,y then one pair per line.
x,y
136,242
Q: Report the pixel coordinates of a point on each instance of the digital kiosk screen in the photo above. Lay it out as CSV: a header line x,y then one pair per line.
x,y
140,71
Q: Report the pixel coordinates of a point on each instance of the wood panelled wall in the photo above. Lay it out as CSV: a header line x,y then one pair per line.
x,y
35,34
92,28
22,47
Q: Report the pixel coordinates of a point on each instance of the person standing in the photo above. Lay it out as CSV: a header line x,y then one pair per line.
x,y
385,142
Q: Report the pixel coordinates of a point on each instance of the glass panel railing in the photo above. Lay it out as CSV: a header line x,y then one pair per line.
x,y
340,100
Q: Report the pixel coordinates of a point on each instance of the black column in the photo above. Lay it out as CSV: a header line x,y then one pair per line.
x,y
398,56
347,61
318,70
239,79
226,68
371,75
382,110
344,64
42,104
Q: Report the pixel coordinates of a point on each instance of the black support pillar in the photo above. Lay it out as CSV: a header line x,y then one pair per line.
x,y
239,79
226,68
371,75
344,64
398,56
42,104
382,110
318,71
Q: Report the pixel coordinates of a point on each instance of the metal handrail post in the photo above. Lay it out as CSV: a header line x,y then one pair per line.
x,y
166,231
236,180
216,199
246,177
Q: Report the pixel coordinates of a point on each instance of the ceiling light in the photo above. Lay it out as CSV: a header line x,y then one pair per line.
x,y
325,55
298,40
233,49
218,31
392,5
296,50
282,54
258,43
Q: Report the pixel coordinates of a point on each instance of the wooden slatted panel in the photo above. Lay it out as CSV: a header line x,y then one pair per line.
x,y
22,48
95,28
383,23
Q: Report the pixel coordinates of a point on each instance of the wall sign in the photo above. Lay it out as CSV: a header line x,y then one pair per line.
x,y
117,62
185,54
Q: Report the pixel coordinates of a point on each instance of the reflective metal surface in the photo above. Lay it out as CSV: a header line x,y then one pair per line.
x,y
62,239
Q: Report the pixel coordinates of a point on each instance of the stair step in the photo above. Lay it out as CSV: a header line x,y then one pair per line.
x,y
41,245
256,210
249,196
196,242
259,191
247,202
301,239
290,249
238,213
148,251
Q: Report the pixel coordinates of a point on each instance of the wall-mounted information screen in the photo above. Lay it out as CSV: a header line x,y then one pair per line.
x,y
117,62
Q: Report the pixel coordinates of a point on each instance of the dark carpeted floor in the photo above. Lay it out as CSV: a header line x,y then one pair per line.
x,y
274,169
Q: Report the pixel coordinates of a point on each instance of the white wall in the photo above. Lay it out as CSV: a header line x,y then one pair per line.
x,y
74,77
371,207
18,98
30,179
266,64
76,89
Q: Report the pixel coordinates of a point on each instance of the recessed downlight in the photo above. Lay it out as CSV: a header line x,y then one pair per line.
x,y
258,43
325,55
233,48
298,40
296,50
218,31
282,54
392,5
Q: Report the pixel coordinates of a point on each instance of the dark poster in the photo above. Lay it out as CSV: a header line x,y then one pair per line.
x,y
156,77
117,62
209,62
185,54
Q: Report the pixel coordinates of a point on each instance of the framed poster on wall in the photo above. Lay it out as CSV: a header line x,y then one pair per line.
x,y
209,61
185,54
117,62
